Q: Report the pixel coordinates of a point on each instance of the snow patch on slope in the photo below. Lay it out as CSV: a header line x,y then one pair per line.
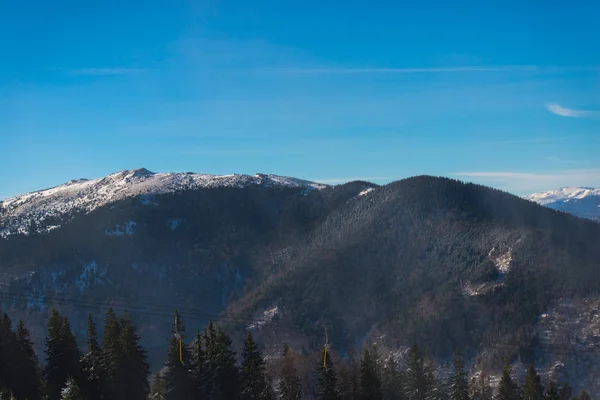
x,y
126,229
503,263
90,275
267,316
366,191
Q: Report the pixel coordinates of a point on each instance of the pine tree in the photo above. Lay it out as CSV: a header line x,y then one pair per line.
x,y
62,355
565,392
133,370
435,390
158,389
198,366
507,389
416,383
71,391
289,381
551,391
533,389
370,378
391,381
253,380
349,378
91,364
123,360
480,388
110,352
583,395
7,345
222,375
26,382
326,379
178,380
459,388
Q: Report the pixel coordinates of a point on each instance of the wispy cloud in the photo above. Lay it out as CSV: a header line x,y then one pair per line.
x,y
529,182
333,181
501,68
557,109
561,160
104,71
451,69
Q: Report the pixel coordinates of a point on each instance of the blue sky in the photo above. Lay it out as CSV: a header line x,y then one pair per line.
x,y
505,93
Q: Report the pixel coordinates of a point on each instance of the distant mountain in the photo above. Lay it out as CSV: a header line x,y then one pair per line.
x,y
424,260
47,209
581,201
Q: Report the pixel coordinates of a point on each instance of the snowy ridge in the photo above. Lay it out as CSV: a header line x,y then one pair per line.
x,y
563,194
82,195
583,202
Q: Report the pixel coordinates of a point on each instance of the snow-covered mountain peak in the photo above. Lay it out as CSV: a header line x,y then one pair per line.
x,y
83,195
563,194
580,201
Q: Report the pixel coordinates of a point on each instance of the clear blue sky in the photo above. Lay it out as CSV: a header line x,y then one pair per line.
x,y
505,93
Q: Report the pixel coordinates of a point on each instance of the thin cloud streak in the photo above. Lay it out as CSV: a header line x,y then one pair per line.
x,y
561,160
502,68
104,71
455,69
557,109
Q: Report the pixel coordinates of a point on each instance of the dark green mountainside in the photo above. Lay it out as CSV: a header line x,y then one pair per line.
x,y
423,260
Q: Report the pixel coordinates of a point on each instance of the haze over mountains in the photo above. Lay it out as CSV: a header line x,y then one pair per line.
x,y
423,260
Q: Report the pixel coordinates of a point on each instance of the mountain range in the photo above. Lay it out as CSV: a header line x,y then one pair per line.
x,y
425,260
581,201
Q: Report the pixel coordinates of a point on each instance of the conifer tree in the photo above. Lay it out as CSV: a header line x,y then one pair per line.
x,y
123,360
459,388
253,380
131,381
480,388
416,383
198,366
391,381
110,351
583,395
565,392
326,379
91,364
158,389
551,391
62,355
178,380
507,389
533,389
210,369
370,378
435,390
7,340
26,382
222,375
289,382
71,391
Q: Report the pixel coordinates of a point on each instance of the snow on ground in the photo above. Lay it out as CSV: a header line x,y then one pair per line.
x,y
503,262
173,224
563,194
126,229
90,275
366,191
267,316
84,195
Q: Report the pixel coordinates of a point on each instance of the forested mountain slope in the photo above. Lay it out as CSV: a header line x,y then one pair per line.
x,y
423,260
